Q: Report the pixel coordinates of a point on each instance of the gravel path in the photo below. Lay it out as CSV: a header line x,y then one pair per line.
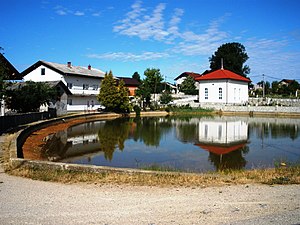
x,y
25,201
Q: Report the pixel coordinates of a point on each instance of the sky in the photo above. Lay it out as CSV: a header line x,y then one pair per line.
x,y
174,36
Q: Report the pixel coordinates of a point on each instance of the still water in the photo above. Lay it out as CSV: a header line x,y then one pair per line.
x,y
192,144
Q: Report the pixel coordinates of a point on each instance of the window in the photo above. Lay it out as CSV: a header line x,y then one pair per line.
x,y
206,93
220,93
69,85
85,86
43,71
95,87
206,131
69,101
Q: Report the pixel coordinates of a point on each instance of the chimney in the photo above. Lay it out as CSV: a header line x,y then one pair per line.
x,y
69,64
89,67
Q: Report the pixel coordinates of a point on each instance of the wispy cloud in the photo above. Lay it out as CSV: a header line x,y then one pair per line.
x,y
79,13
124,56
155,26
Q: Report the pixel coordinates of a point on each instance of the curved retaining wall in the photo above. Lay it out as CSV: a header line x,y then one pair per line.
x,y
16,155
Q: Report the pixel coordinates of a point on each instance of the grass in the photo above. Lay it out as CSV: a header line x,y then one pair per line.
x,y
187,109
287,175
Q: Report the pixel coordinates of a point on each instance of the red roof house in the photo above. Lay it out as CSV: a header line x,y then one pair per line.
x,y
223,86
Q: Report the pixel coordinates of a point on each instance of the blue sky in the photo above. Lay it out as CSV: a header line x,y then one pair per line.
x,y
172,35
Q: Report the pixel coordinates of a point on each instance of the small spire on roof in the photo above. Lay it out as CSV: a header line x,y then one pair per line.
x,y
222,67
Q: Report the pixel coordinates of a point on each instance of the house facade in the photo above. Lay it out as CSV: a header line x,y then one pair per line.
x,y
83,82
223,87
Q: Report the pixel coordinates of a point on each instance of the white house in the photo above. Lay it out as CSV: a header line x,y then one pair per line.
x,y
223,86
83,82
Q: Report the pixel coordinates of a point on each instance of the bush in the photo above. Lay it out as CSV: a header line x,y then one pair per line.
x,y
137,110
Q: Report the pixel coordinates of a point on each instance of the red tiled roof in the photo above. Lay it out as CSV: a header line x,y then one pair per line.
x,y
221,150
223,74
130,81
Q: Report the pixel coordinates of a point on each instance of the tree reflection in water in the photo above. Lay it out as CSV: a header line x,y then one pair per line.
x,y
113,135
234,160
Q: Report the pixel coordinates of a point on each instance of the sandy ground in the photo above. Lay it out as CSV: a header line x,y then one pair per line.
x,y
25,201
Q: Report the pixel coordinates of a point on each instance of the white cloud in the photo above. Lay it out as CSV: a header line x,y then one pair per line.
x,y
124,56
79,13
61,12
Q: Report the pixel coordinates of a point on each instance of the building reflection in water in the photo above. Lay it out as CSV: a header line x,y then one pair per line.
x,y
226,141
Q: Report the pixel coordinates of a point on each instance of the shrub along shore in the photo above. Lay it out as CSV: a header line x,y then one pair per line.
x,y
65,173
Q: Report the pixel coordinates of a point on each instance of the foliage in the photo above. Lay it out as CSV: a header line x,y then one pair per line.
x,y
153,79
150,85
29,96
188,86
137,110
234,56
113,97
137,76
165,97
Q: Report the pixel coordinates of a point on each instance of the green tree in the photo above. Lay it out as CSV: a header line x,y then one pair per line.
x,y
124,103
165,97
144,92
113,97
153,79
137,76
275,87
188,86
234,56
29,96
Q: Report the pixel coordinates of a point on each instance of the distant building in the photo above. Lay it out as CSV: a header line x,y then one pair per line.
x,y
131,83
183,76
223,86
83,82
285,82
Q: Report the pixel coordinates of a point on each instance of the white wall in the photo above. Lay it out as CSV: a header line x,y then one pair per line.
x,y
50,75
232,91
223,132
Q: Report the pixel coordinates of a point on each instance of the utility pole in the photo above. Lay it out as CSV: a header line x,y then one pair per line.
x,y
263,85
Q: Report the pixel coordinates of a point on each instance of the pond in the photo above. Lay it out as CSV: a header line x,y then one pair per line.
x,y
190,144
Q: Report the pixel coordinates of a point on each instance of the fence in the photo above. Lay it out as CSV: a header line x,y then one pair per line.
x,y
10,122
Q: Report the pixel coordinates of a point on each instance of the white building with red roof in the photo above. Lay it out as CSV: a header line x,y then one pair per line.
x,y
223,86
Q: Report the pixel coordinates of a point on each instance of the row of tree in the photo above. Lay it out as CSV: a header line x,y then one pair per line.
x,y
276,88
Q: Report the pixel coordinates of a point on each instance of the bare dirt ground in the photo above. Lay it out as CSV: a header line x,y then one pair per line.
x,y
25,201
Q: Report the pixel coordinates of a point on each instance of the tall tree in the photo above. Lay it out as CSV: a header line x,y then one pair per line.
x,y
29,96
114,98
153,79
188,86
234,56
137,76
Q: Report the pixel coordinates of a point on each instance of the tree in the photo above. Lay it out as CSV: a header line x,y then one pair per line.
x,y
29,96
137,76
150,85
188,86
113,97
234,56
165,97
153,79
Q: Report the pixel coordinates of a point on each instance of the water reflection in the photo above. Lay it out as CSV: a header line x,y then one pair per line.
x,y
183,143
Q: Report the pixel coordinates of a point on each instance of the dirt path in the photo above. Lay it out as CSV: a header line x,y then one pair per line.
x,y
24,201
